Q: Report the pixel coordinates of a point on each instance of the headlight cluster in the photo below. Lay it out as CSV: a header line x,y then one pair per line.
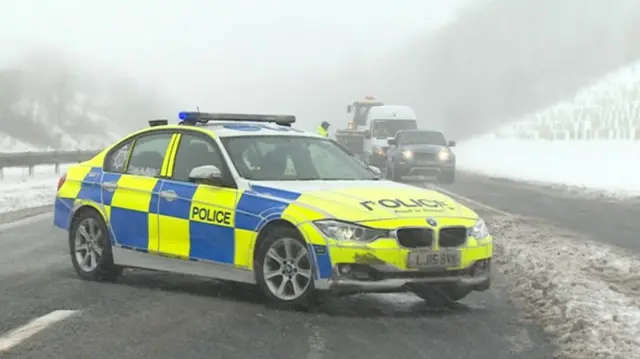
x,y
344,231
378,151
407,154
444,155
479,230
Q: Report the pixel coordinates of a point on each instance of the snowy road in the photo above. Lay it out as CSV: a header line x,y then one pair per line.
x,y
608,220
571,261
556,262
150,315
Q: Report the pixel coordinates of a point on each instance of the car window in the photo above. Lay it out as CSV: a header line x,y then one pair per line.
x,y
116,161
194,151
325,162
389,128
423,138
148,154
293,158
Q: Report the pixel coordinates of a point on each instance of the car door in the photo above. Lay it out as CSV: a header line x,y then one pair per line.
x,y
130,185
196,221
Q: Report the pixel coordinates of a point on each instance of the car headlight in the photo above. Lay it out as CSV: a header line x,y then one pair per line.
x,y
444,155
378,151
479,230
344,231
407,154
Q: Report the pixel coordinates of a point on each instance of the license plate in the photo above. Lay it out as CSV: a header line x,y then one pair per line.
x,y
413,178
431,259
424,162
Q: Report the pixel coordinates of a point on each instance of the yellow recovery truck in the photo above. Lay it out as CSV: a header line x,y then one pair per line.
x,y
354,136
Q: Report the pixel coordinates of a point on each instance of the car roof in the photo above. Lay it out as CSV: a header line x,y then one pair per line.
x,y
422,131
245,128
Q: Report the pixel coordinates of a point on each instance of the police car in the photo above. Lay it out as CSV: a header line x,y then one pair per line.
x,y
248,198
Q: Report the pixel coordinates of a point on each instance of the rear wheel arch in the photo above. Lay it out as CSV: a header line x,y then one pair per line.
x,y
78,212
104,269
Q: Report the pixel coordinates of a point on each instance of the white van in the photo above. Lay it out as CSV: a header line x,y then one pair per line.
x,y
383,122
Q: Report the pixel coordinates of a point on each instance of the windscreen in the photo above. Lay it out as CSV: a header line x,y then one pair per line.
x,y
389,128
362,110
283,158
422,138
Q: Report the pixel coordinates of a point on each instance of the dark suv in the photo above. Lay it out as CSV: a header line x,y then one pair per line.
x,y
418,155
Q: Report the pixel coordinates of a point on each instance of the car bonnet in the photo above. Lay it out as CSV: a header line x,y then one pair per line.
x,y
357,201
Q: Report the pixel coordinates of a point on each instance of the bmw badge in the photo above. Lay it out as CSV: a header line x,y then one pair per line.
x,y
432,222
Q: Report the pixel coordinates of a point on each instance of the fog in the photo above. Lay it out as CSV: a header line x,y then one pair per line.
x,y
465,65
224,56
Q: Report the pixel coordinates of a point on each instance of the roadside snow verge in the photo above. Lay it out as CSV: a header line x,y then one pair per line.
x,y
585,295
19,190
567,163
28,194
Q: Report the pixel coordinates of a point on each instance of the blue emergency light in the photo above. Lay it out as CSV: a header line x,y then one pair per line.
x,y
195,117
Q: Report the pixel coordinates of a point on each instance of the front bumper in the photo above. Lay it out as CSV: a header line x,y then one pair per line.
x,y
391,282
358,271
411,170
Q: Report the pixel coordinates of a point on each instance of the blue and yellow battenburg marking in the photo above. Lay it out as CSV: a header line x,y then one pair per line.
x,y
201,223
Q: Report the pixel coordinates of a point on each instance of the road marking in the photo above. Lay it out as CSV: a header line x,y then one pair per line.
x,y
17,336
316,343
472,201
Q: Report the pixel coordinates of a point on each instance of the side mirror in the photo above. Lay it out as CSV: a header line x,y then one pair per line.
x,y
367,135
376,170
452,143
348,108
208,174
391,142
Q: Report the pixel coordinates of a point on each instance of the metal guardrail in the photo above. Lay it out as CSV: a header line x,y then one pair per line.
x,y
32,159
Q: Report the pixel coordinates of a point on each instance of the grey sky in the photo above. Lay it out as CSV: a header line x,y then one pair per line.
x,y
197,48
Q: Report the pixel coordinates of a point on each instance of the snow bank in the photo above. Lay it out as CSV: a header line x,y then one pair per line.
x,y
19,191
585,295
590,141
608,166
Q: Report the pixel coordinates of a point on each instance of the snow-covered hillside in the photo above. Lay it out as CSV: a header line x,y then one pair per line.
x,y
609,109
55,108
10,144
591,142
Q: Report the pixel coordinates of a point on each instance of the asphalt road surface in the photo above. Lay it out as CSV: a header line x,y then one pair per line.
x,y
155,315
610,221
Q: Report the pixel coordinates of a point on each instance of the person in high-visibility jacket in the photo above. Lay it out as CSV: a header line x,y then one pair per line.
x,y
323,129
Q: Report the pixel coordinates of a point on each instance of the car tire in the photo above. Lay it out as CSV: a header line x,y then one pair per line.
x,y
285,276
440,295
90,248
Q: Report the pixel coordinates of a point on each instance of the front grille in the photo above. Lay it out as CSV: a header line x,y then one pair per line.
x,y
427,172
452,237
425,156
415,237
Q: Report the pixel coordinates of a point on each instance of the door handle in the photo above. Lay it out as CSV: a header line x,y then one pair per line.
x,y
109,186
169,195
